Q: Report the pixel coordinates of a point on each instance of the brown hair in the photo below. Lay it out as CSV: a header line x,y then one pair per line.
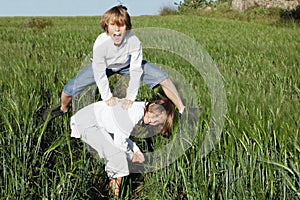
x,y
118,15
161,105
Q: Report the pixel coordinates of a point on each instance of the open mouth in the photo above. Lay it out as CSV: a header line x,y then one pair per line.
x,y
117,36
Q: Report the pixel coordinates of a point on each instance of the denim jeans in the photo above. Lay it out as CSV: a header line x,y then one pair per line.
x,y
152,76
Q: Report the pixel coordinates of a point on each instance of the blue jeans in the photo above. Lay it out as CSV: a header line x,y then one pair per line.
x,y
152,76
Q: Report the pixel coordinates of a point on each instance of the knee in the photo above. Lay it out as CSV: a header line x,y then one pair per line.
x,y
65,95
165,82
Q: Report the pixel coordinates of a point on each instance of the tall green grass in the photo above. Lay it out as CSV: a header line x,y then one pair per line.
x,y
256,158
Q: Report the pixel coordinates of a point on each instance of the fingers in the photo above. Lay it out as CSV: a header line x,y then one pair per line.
x,y
112,101
126,103
141,157
138,157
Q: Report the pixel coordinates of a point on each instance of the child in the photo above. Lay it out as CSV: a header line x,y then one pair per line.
x,y
107,129
117,50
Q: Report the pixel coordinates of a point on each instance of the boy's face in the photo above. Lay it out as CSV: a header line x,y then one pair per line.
x,y
155,117
116,32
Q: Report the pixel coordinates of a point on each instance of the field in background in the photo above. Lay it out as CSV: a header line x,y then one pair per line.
x,y
257,157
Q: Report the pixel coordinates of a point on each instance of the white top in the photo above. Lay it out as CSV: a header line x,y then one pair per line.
x,y
107,55
113,119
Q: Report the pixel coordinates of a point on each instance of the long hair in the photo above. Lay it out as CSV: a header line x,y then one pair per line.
x,y
163,105
117,15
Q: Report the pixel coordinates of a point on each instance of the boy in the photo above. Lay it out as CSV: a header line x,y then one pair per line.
x,y
117,50
107,130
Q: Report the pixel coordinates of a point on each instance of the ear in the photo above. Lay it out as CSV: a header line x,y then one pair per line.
x,y
151,104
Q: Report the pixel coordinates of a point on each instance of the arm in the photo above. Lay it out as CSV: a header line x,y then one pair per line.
x,y
136,72
137,156
125,144
99,67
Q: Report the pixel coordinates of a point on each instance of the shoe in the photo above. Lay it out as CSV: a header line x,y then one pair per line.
x,y
52,113
189,124
191,115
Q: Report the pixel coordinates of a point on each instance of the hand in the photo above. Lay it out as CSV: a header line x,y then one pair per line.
x,y
138,157
126,103
112,101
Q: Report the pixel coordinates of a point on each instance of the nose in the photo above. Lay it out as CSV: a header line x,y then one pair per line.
x,y
154,120
117,28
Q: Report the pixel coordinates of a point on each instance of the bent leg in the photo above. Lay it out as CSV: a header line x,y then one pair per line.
x,y
114,185
65,102
153,76
172,93
86,125
76,85
116,164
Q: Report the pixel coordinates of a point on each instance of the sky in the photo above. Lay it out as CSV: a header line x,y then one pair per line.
x,y
79,7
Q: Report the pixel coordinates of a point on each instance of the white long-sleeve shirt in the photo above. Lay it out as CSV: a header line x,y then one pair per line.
x,y
113,119
107,55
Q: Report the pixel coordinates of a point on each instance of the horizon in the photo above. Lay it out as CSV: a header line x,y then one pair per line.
x,y
36,8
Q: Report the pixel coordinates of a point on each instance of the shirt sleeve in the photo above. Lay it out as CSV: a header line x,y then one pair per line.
x,y
136,72
99,67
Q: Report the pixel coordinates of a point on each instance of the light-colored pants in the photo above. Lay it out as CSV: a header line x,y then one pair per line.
x,y
84,126
116,164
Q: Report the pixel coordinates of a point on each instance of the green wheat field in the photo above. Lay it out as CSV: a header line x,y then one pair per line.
x,y
257,156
